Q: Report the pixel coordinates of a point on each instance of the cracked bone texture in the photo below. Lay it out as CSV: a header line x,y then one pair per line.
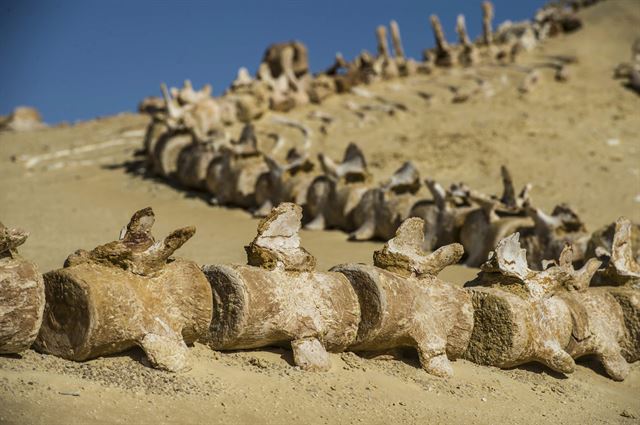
x,y
21,294
281,300
620,276
403,303
550,316
124,294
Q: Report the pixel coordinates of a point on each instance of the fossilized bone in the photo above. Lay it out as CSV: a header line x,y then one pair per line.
x,y
487,18
127,293
444,215
551,233
279,298
383,209
195,111
21,294
383,45
403,303
396,40
496,218
232,177
620,275
551,317
321,87
443,52
167,149
333,197
193,164
469,54
284,183
601,241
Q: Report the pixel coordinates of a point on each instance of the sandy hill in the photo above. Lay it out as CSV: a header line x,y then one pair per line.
x,y
577,142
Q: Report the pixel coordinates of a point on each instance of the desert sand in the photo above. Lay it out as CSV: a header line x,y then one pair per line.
x,y
578,142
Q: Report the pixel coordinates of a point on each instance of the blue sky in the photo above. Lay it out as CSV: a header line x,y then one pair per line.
x,y
79,59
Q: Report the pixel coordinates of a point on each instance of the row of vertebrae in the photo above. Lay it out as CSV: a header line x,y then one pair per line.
x,y
342,195
130,292
284,81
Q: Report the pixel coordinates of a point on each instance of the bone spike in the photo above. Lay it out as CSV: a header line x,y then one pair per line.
x,y
171,107
621,250
10,239
438,193
404,254
170,244
509,259
277,244
396,39
509,193
383,46
461,28
405,179
487,18
438,33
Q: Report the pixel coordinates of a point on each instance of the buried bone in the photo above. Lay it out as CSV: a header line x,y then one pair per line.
x,y
21,294
127,293
279,298
550,316
403,303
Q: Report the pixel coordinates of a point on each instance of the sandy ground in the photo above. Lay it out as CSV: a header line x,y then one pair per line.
x,y
578,142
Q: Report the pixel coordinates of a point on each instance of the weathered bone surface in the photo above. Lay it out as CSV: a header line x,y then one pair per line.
x,y
551,233
279,299
469,55
21,294
496,218
193,163
284,183
403,303
332,199
383,209
383,45
620,275
166,151
127,293
444,215
551,317
233,177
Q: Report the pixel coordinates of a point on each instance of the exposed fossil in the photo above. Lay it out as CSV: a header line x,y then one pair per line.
x,y
549,316
403,303
279,298
284,183
21,294
333,197
620,276
382,209
126,293
495,218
